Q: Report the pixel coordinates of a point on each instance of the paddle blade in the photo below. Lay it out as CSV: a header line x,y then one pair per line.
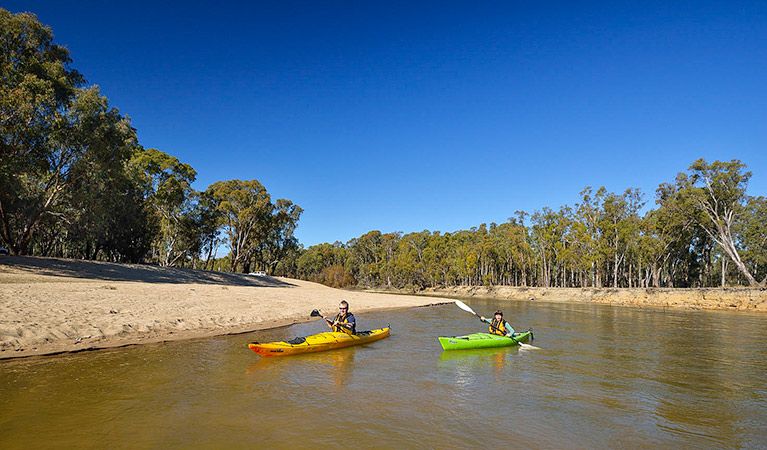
x,y
524,346
315,313
464,307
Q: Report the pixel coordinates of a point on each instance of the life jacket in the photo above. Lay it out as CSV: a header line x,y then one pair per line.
x,y
498,327
343,319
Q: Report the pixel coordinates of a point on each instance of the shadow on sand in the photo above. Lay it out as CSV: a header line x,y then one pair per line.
x,y
100,270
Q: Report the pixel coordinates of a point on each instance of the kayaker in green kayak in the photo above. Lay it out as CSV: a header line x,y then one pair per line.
x,y
498,325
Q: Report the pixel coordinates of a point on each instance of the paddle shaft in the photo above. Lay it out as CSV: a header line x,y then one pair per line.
x,y
466,308
330,322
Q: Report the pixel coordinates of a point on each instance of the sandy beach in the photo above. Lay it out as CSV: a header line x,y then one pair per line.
x,y
50,305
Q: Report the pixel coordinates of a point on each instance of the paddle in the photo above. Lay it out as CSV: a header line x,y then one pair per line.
x,y
316,313
466,308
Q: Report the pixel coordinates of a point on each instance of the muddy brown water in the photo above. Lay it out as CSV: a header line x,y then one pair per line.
x,y
600,377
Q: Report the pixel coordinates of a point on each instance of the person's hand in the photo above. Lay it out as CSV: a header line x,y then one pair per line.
x,y
482,318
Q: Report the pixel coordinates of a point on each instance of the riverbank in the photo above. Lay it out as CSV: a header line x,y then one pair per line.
x,y
722,299
51,305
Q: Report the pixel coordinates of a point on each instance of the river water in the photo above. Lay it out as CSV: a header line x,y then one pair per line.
x,y
599,377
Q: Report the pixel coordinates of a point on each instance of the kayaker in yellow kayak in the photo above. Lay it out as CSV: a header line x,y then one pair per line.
x,y
344,321
498,325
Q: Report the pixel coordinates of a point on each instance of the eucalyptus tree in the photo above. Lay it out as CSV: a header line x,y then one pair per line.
x,y
276,241
311,262
564,246
547,231
521,244
588,213
489,256
366,257
577,255
52,132
508,238
654,241
752,233
318,262
245,209
572,250
168,187
714,195
619,226
104,216
674,225
288,265
435,258
464,258
91,143
409,259
388,247
208,225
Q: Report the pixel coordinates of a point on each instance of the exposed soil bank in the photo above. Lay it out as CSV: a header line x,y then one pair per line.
x,y
728,299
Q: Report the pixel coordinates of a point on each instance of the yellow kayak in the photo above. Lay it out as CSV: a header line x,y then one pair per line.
x,y
317,342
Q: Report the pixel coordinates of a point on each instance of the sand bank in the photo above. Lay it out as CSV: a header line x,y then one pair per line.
x,y
50,305
722,299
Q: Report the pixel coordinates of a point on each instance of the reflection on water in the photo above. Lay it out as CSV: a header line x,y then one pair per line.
x,y
603,377
335,365
466,363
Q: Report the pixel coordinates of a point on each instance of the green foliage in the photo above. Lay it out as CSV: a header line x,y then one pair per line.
x,y
712,197
603,241
325,263
170,200
260,232
75,183
37,87
752,233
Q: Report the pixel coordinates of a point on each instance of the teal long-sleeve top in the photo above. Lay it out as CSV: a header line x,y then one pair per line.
x,y
506,325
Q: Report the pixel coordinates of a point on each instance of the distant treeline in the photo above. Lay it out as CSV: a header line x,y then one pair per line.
x,y
74,182
704,232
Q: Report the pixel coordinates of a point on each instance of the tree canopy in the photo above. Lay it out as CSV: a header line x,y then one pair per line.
x,y
704,232
75,182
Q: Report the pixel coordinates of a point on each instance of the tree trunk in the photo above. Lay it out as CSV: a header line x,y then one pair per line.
x,y
724,270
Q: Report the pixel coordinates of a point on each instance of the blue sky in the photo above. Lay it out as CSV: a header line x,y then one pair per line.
x,y
405,116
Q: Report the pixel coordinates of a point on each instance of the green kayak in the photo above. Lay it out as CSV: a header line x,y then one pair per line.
x,y
482,340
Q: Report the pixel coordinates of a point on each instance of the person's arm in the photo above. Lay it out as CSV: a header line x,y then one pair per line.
x,y
348,325
509,329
